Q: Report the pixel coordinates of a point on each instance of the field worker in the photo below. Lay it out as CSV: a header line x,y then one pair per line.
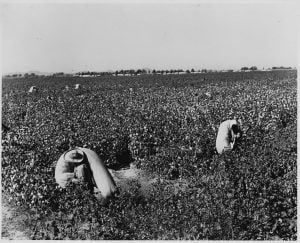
x,y
84,165
229,131
67,88
32,89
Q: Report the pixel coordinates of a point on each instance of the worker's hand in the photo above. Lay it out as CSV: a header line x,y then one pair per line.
x,y
69,175
232,144
76,172
227,148
76,181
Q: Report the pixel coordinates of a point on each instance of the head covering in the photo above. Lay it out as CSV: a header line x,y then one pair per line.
x,y
233,122
74,156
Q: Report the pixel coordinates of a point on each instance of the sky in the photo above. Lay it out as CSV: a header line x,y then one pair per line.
x,y
101,36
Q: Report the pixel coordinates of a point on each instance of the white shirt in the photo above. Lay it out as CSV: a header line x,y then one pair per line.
x,y
224,134
64,172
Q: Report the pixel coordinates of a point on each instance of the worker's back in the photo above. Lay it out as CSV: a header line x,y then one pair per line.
x,y
224,135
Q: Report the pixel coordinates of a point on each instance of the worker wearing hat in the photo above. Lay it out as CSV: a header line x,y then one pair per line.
x,y
72,166
84,165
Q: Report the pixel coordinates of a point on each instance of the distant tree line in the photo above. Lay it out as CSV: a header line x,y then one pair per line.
x,y
281,67
253,68
33,75
131,72
88,73
135,72
14,75
171,71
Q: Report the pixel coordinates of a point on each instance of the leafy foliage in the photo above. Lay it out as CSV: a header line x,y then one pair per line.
x,y
166,125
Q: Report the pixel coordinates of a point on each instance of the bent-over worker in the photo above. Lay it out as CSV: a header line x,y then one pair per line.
x,y
84,165
229,131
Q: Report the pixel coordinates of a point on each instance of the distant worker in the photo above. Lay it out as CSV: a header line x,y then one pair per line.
x,y
229,131
208,94
32,89
77,86
84,165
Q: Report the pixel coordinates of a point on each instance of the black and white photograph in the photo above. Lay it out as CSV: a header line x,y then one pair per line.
x,y
149,120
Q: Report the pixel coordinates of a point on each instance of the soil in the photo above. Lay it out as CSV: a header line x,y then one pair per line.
x,y
124,179
13,223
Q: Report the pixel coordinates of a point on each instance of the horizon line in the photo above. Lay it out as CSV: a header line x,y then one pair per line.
x,y
145,68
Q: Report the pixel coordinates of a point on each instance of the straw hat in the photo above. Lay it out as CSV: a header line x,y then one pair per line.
x,y
74,156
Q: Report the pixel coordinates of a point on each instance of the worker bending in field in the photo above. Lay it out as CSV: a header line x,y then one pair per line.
x,y
229,131
83,165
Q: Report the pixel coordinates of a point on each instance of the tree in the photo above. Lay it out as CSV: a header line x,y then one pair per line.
x,y
192,70
131,72
137,72
253,68
244,68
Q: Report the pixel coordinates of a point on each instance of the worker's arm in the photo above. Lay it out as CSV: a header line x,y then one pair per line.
x,y
232,143
76,180
63,178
